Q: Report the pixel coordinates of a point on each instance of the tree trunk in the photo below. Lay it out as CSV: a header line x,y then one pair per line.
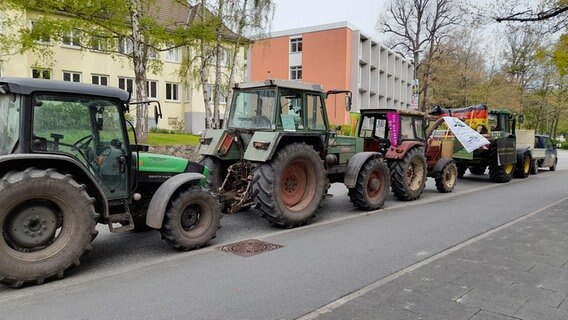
x,y
139,60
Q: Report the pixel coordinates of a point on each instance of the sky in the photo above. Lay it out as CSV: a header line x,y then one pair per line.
x,y
363,14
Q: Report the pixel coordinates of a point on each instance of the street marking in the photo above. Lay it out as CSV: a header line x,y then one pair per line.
x,y
354,295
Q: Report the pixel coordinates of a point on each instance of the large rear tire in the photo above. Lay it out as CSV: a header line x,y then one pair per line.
x,y
192,219
446,181
408,176
372,187
289,189
48,222
523,168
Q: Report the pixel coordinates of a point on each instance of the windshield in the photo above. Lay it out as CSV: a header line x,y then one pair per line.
x,y
253,109
9,122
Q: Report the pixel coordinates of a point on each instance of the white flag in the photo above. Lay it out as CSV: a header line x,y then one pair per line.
x,y
469,138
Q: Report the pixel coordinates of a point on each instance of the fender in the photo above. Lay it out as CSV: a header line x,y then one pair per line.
x,y
354,166
437,170
161,199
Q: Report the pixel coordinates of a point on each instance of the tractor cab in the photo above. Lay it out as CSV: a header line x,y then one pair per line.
x,y
388,129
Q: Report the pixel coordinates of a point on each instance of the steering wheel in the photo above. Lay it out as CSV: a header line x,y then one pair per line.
x,y
83,142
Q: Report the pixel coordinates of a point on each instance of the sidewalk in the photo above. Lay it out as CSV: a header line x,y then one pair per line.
x,y
518,272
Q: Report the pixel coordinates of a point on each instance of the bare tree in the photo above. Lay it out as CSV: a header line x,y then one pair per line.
x,y
416,26
552,11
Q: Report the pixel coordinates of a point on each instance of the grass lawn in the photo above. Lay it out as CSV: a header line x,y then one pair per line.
x,y
156,139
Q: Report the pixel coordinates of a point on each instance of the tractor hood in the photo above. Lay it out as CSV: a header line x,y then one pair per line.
x,y
150,162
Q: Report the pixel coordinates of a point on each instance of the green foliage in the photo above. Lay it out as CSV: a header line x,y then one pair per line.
x,y
344,129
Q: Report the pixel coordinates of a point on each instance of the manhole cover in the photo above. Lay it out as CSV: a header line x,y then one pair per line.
x,y
248,248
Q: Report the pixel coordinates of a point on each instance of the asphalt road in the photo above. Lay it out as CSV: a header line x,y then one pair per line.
x,y
135,275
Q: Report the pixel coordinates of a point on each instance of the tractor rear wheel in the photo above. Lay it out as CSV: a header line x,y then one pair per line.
x,y
372,186
48,222
192,219
446,181
289,189
408,176
523,169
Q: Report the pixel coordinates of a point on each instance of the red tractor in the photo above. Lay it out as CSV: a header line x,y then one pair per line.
x,y
400,135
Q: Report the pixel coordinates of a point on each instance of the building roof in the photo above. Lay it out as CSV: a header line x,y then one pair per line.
x,y
321,27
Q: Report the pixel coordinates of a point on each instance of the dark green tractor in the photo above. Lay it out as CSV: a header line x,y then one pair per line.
x,y
278,154
66,164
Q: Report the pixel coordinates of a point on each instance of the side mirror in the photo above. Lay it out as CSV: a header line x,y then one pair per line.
x,y
348,103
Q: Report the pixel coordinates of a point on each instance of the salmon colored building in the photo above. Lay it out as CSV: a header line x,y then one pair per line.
x,y
337,56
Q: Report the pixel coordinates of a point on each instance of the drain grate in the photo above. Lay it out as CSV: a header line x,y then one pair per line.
x,y
248,248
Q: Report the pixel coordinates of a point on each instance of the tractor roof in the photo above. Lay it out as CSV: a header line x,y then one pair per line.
x,y
280,83
405,112
27,86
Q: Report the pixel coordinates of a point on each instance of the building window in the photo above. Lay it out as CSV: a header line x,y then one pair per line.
x,y
40,73
100,80
223,95
126,84
296,73
100,43
295,45
152,89
126,46
172,91
71,76
72,39
172,55
39,35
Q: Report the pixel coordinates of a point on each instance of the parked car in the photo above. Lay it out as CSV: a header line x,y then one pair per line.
x,y
551,156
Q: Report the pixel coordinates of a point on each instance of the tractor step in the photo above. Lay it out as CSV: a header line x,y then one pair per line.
x,y
125,219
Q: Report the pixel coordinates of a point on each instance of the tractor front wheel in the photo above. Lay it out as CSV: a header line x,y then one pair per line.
x,y
372,186
48,222
192,219
408,176
446,181
289,189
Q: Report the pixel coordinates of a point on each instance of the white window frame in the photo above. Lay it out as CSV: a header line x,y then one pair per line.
x,y
296,73
41,72
128,82
172,91
296,45
172,55
73,75
152,85
72,39
125,46
99,77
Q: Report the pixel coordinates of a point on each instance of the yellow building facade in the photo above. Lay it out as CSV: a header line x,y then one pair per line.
x,y
180,100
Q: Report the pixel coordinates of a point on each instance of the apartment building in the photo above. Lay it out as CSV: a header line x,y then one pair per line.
x,y
338,56
69,61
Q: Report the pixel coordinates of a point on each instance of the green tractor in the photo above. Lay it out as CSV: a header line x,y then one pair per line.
x,y
66,164
278,154
499,128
